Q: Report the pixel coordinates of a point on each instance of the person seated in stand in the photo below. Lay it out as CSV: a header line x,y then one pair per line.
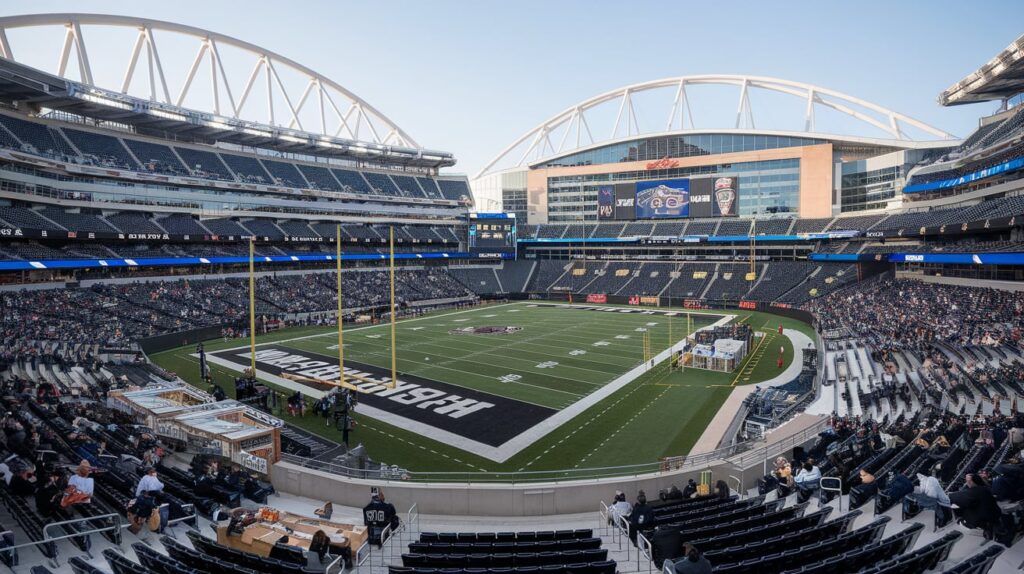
x,y
977,507
80,486
149,482
49,495
898,487
620,508
23,483
809,476
692,562
929,492
690,489
722,489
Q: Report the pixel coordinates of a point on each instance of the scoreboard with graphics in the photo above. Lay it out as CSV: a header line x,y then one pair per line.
x,y
492,233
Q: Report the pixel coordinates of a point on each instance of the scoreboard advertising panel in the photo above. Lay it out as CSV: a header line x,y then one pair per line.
x,y
659,199
616,201
714,197
491,233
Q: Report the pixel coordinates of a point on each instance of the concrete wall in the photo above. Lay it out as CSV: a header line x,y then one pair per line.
x,y
499,499
539,499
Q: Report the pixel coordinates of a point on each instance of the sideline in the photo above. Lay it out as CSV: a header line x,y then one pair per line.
x,y
716,429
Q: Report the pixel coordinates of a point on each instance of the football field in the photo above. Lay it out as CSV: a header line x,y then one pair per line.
x,y
540,353
506,387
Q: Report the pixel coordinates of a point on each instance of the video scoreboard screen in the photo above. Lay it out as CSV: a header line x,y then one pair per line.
x,y
716,196
492,233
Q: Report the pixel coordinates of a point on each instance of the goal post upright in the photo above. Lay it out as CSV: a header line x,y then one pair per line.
x,y
252,305
394,354
341,339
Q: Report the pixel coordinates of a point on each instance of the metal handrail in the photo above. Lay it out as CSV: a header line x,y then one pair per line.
x,y
644,550
333,563
47,539
385,540
623,527
362,553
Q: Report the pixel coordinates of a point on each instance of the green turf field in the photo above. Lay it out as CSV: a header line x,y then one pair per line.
x,y
559,356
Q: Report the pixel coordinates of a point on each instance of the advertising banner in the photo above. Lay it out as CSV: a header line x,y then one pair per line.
x,y
660,199
625,201
726,197
597,298
606,202
702,201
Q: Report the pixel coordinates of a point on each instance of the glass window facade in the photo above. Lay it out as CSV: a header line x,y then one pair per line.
x,y
650,149
765,187
514,201
863,190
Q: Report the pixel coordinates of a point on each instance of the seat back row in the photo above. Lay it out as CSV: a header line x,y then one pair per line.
x,y
503,560
504,547
605,567
925,558
526,536
867,556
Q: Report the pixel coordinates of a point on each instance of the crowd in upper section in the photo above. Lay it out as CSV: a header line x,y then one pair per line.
x,y
913,220
973,155
121,313
119,151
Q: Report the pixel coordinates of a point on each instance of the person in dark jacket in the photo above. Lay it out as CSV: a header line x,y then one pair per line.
x,y
377,516
692,562
721,489
642,517
690,489
977,506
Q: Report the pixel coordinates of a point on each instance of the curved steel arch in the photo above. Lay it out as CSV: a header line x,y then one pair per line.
x,y
573,119
357,115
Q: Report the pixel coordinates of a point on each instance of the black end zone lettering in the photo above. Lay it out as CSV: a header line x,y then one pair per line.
x,y
462,411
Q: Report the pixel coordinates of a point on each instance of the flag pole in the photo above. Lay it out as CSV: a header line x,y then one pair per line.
x,y
394,359
341,340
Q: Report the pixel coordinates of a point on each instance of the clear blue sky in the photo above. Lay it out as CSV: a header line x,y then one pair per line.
x,y
471,76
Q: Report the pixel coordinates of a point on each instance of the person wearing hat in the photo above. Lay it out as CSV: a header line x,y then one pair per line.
x,y
149,482
692,562
620,508
80,486
377,516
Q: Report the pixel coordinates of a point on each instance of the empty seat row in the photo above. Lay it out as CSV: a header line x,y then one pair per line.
x,y
120,564
680,515
979,563
747,529
728,515
925,558
504,547
503,560
606,567
526,536
158,563
775,541
857,559
671,506
795,558
753,530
